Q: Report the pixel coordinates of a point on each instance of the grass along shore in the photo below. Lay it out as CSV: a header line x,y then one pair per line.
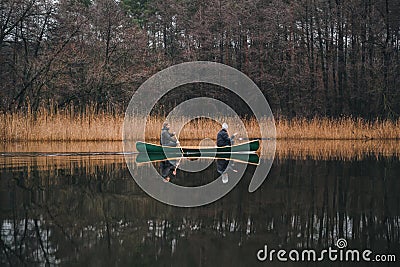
x,y
67,125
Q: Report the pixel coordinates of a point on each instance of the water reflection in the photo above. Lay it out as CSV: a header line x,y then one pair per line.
x,y
168,169
87,210
300,149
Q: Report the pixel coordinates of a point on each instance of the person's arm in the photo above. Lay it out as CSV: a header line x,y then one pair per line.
x,y
170,137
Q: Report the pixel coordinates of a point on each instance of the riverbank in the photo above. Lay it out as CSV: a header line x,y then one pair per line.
x,y
67,125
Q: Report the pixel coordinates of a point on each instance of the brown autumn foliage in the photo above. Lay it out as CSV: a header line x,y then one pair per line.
x,y
310,58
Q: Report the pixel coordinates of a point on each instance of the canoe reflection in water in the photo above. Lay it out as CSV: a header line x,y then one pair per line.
x,y
225,162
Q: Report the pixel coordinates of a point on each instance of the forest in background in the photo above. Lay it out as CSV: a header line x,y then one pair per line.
x,y
324,58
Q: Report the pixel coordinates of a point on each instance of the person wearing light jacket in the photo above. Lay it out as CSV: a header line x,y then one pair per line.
x,y
167,138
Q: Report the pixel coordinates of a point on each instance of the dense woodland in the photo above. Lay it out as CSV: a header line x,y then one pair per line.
x,y
309,57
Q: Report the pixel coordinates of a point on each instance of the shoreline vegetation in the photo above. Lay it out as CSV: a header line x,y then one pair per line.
x,y
93,125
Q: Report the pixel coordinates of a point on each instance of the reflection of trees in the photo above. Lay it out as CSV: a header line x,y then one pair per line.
x,y
101,217
330,199
27,237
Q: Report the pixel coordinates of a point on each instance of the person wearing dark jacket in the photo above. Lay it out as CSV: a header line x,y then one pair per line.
x,y
167,138
223,138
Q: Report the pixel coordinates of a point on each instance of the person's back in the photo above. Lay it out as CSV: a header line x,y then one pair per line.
x,y
223,136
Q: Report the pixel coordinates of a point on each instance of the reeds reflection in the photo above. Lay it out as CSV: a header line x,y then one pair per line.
x,y
347,150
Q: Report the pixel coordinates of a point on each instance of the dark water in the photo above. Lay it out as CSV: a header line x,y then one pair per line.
x,y
84,210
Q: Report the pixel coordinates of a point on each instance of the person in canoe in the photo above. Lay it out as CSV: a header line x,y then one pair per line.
x,y
167,138
223,138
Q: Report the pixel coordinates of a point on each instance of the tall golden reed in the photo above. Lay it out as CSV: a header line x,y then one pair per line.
x,y
338,129
51,124
61,125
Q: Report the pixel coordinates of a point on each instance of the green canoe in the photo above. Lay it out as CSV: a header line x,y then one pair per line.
x,y
251,158
152,148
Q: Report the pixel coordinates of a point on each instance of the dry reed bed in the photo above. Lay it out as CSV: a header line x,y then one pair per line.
x,y
338,129
65,125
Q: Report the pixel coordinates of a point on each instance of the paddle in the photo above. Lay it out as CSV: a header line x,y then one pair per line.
x,y
255,138
179,161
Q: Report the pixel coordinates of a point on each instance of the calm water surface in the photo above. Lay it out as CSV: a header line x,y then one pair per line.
x,y
84,209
